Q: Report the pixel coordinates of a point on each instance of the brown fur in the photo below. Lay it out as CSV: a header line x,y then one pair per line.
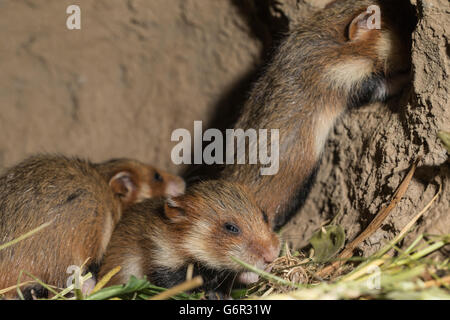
x,y
78,198
159,239
323,67
149,182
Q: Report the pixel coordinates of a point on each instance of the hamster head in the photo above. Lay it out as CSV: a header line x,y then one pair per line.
x,y
359,46
380,30
134,181
221,220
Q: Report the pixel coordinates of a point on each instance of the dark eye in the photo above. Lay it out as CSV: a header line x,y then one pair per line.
x,y
265,217
158,177
232,228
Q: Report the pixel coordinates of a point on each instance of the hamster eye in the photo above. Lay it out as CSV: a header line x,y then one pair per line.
x,y
232,228
157,177
265,217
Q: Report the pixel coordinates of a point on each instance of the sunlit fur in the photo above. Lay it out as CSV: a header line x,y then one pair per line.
x,y
143,177
194,233
74,196
77,197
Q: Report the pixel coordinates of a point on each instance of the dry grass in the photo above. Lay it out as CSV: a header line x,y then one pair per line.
x,y
391,273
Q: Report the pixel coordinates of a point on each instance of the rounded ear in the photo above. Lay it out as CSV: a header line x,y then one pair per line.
x,y
364,23
122,184
173,210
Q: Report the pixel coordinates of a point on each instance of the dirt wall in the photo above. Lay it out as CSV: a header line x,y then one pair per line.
x,y
136,71
370,151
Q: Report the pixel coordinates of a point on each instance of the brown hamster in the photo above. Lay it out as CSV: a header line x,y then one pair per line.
x,y
84,201
213,221
335,61
148,182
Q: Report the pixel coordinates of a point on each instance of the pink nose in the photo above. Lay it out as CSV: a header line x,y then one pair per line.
x,y
271,254
176,188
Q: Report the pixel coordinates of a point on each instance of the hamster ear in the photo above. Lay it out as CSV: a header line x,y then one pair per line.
x,y
123,185
365,22
173,210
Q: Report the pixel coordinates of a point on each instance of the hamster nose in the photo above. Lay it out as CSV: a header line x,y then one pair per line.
x,y
271,254
176,188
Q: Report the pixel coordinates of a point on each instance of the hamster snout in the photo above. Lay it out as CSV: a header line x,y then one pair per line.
x,y
176,187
